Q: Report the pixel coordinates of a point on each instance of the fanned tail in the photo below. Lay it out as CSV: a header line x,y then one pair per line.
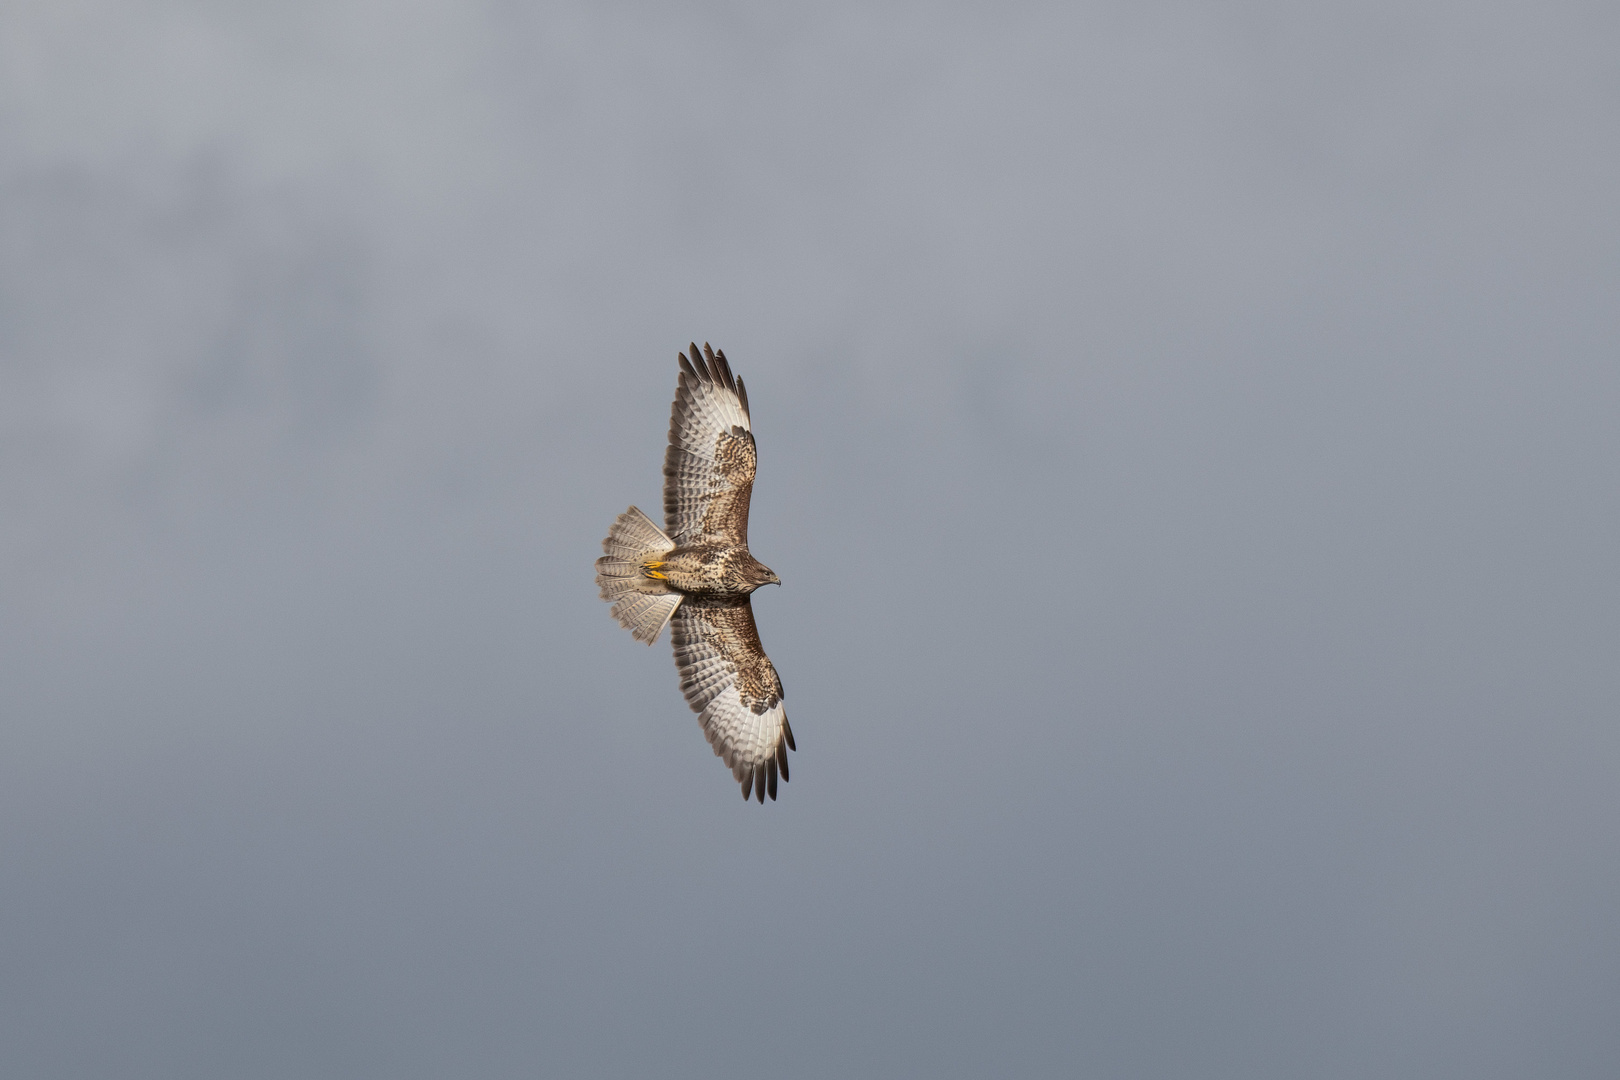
x,y
642,604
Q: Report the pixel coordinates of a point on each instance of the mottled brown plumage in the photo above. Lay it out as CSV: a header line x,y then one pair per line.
x,y
697,574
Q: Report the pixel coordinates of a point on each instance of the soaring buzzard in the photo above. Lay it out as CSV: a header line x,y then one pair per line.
x,y
697,574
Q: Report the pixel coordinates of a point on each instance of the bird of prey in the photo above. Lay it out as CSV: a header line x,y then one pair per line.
x,y
697,575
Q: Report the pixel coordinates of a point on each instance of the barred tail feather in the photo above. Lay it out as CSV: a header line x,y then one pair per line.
x,y
641,604
644,616
634,537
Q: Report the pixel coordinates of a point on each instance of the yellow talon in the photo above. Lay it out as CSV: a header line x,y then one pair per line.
x,y
656,574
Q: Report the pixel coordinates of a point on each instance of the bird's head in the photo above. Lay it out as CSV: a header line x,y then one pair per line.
x,y
749,573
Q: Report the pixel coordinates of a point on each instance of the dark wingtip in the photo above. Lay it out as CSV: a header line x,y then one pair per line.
x,y
787,732
759,783
770,778
742,396
747,786
722,370
781,759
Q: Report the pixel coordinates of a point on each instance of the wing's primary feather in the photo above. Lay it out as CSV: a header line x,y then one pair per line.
x,y
732,686
709,466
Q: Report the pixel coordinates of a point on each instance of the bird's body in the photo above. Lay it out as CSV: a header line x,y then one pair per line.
x,y
712,572
698,575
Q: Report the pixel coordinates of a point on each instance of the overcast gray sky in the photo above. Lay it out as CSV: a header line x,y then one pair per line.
x,y
1188,439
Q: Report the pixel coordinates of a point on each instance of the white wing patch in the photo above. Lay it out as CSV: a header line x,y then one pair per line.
x,y
745,740
711,408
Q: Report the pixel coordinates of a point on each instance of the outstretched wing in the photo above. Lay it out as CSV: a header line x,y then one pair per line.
x,y
730,683
709,467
